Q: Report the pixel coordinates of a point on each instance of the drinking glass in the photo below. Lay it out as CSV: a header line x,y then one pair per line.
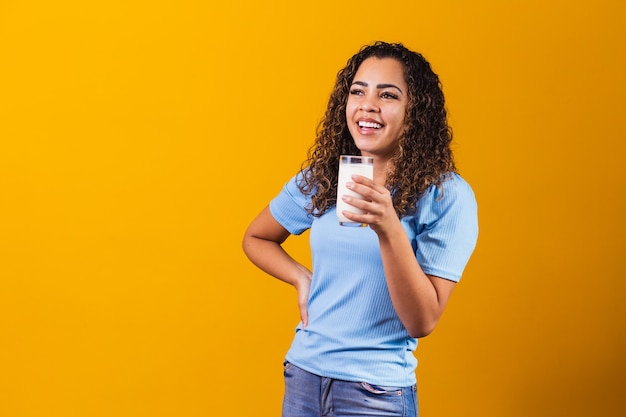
x,y
348,166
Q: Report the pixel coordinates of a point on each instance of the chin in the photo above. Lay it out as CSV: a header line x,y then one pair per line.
x,y
363,145
366,147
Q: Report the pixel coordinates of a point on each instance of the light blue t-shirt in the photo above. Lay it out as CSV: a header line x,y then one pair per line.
x,y
354,333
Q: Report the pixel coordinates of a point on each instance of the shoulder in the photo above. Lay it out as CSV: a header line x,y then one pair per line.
x,y
452,190
290,206
452,187
453,198
446,227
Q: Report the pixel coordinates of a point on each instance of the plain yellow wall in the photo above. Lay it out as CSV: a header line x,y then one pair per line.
x,y
138,138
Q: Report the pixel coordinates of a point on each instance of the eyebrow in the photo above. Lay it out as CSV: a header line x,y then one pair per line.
x,y
379,86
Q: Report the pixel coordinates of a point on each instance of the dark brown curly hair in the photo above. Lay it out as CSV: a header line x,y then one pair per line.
x,y
423,157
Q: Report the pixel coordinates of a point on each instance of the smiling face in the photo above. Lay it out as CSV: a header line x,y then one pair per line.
x,y
376,106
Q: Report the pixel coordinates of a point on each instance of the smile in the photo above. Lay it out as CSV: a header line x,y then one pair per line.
x,y
373,125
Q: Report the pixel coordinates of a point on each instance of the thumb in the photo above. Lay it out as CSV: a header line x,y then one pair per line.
x,y
304,316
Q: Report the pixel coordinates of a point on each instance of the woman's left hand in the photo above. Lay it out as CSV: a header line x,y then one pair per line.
x,y
376,204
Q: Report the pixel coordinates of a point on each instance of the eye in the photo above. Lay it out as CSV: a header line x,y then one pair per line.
x,y
389,95
356,92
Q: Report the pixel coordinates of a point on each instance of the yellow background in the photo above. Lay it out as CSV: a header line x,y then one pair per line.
x,y
138,139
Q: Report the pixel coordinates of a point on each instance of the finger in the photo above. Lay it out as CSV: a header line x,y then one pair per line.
x,y
353,217
357,202
360,179
368,192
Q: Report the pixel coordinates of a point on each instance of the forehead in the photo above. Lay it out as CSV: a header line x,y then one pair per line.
x,y
381,69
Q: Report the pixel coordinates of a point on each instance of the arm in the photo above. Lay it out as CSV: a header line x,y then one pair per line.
x,y
262,244
419,299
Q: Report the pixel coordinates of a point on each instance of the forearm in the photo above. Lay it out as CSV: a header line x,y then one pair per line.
x,y
413,293
270,257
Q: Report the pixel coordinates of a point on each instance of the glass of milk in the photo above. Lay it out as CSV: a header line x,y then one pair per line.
x,y
348,166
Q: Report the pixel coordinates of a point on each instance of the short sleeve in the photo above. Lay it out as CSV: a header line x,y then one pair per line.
x,y
289,208
447,228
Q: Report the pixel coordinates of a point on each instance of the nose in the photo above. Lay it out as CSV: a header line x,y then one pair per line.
x,y
369,104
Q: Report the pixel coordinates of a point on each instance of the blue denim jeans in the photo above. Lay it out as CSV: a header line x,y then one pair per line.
x,y
309,395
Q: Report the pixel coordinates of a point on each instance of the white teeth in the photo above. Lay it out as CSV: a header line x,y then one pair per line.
x,y
370,124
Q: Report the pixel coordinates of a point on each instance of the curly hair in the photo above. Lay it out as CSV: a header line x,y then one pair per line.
x,y
423,157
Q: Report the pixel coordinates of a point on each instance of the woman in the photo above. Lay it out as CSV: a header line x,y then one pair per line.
x,y
373,290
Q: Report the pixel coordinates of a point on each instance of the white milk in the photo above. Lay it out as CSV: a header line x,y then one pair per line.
x,y
348,166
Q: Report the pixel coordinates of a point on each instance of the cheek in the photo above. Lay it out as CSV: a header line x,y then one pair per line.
x,y
349,108
399,114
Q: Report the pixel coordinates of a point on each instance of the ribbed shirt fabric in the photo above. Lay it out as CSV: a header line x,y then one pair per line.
x,y
354,333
